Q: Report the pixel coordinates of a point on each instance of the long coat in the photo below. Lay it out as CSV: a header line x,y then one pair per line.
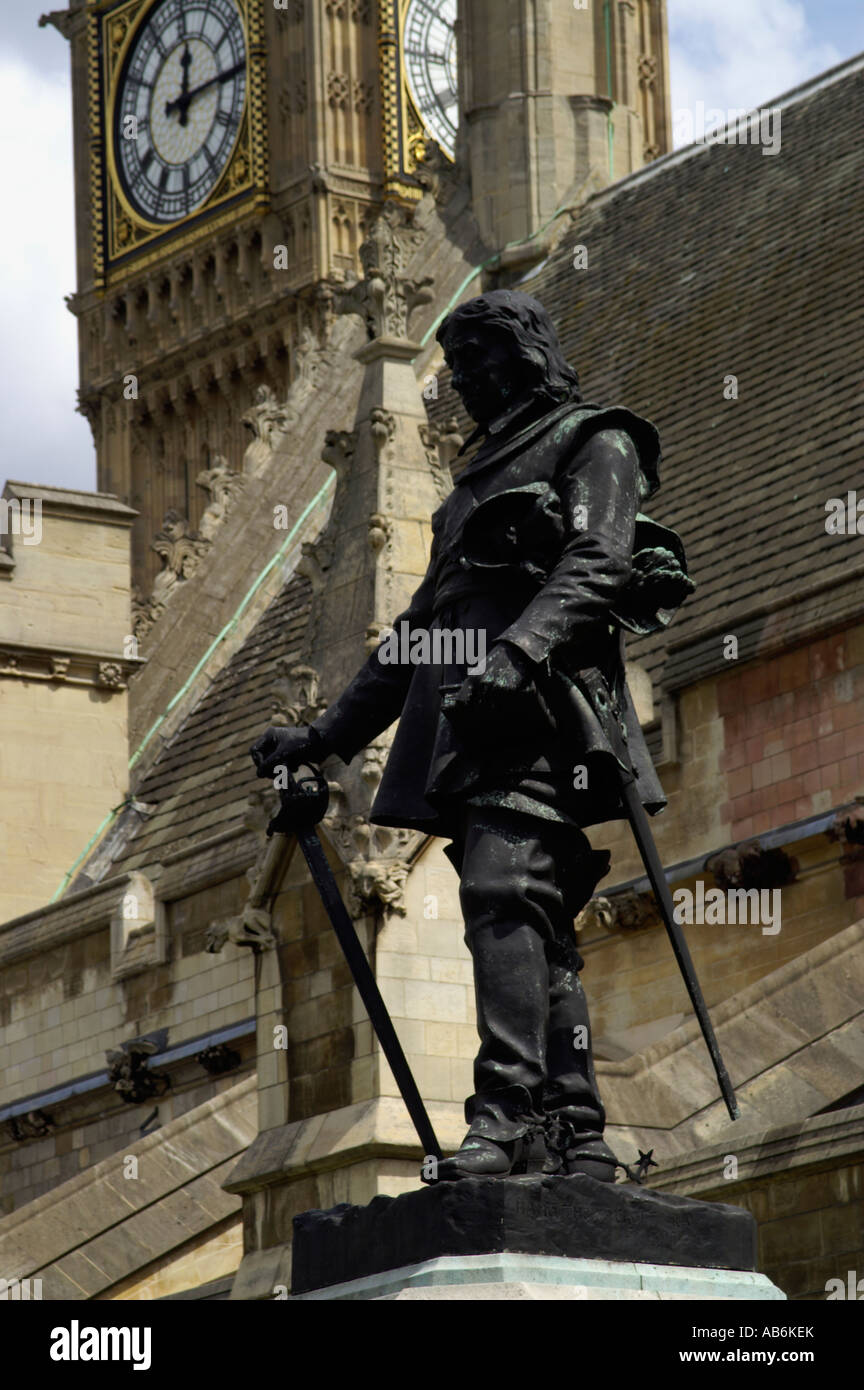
x,y
598,465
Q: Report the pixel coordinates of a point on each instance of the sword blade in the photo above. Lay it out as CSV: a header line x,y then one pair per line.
x,y
657,878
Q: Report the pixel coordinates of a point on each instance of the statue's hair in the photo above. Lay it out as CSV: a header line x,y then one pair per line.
x,y
525,321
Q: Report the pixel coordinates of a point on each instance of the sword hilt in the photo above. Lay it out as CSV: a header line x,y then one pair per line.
x,y
303,802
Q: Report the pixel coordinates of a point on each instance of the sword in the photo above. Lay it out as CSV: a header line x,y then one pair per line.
x,y
304,805
593,684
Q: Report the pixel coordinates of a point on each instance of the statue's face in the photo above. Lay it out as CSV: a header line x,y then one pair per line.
x,y
487,372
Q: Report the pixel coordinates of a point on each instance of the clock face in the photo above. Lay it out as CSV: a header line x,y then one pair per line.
x,y
430,59
179,104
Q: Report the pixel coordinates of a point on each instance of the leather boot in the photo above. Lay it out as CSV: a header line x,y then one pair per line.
x,y
506,1137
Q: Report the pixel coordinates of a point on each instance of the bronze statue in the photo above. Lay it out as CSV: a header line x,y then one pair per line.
x,y
541,547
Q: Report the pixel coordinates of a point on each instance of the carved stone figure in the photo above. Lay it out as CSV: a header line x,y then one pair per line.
x,y
223,485
541,548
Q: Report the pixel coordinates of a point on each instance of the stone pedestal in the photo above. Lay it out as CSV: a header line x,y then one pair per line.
x,y
546,1278
525,1238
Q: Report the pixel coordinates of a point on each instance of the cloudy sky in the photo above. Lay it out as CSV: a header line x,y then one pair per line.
x,y
738,53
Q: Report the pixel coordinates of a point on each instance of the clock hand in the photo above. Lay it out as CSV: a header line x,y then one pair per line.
x,y
183,99
182,102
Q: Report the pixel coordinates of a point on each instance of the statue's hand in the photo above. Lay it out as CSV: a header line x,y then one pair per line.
x,y
289,747
502,695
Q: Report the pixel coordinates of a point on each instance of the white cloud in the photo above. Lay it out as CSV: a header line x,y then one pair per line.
x,y
44,439
740,53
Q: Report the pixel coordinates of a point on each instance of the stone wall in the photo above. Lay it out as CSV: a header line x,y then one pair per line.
x,y
64,664
65,1002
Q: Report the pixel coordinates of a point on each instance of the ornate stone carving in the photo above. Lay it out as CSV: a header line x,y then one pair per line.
x,y
339,9
380,530
436,174
251,928
376,885
129,1074
180,550
338,451
218,1059
847,829
34,1125
111,675
268,419
748,865
262,803
144,613
338,90
441,446
382,427
647,70
297,699
316,557
386,297
223,486
627,911
34,663
364,96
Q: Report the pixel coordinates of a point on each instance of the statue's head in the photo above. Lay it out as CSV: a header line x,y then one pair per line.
x,y
503,348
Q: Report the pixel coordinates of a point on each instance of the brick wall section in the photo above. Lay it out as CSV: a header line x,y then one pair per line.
x,y
793,734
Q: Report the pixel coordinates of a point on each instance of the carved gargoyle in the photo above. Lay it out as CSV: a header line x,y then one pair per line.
x,y
129,1075
749,865
377,884
218,1059
251,928
34,1125
627,911
296,699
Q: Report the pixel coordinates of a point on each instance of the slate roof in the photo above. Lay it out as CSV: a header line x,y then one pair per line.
x,y
200,782
720,261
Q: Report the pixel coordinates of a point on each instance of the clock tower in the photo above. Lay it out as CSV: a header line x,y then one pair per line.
x,y
228,155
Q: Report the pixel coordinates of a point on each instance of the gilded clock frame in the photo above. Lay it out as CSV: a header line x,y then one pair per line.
x,y
405,137
120,233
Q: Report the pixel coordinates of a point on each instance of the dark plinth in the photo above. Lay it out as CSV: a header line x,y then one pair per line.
x,y
576,1217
